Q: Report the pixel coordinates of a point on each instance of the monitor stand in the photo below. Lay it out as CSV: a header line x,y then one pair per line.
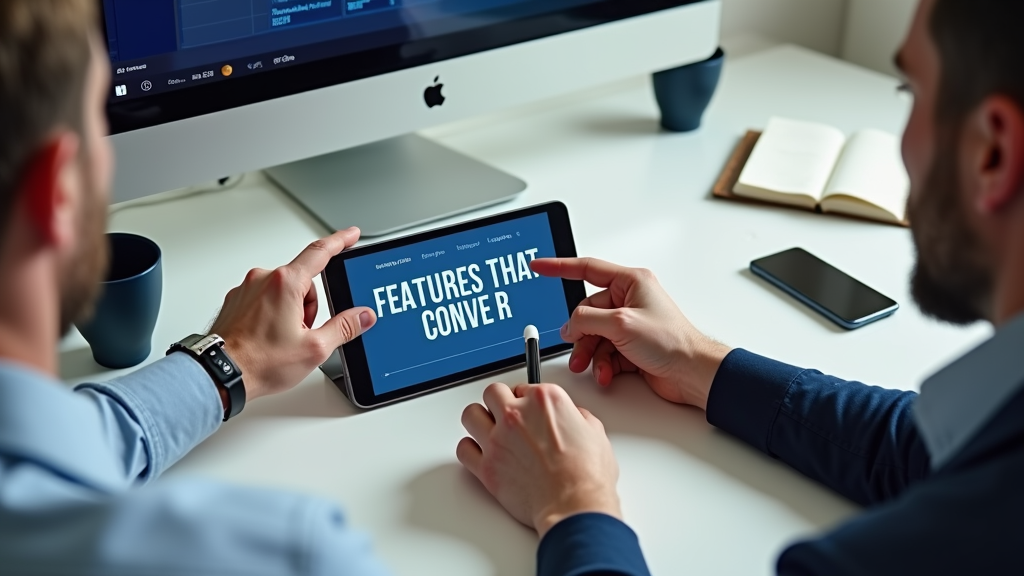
x,y
393,184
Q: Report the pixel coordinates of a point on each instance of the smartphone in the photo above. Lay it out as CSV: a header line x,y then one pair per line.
x,y
451,303
826,289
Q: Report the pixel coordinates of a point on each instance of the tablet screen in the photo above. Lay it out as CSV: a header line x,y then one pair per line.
x,y
456,302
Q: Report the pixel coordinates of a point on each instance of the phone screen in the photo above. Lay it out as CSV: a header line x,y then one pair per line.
x,y
824,287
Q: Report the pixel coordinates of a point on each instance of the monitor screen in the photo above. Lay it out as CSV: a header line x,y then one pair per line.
x,y
177,59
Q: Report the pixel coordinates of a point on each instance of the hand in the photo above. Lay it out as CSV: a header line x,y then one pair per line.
x,y
267,322
539,455
634,326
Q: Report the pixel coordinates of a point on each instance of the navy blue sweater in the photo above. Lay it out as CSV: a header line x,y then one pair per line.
x,y
861,441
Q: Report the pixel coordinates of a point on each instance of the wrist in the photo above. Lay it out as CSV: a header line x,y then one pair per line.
x,y
241,356
701,366
226,376
577,502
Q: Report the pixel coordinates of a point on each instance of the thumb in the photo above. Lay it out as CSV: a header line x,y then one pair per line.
x,y
347,326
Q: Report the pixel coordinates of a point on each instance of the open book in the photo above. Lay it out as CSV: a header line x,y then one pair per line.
x,y
815,166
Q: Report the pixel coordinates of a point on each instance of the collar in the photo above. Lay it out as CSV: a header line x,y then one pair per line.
x,y
959,400
43,421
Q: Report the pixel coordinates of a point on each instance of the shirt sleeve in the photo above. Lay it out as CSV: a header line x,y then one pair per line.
x,y
858,440
590,545
157,414
181,528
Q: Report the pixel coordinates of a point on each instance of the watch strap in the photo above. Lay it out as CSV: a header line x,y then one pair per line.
x,y
209,351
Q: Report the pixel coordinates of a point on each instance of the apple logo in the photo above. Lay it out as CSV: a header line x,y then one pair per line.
x,y
432,95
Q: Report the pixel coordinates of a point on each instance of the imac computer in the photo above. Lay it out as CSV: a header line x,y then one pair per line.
x,y
325,95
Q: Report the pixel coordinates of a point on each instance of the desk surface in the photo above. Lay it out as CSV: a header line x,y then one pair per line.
x,y
699,500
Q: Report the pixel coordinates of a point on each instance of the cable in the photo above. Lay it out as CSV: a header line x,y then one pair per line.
x,y
226,183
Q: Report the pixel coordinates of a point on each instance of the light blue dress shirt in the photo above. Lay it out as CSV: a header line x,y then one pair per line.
x,y
77,493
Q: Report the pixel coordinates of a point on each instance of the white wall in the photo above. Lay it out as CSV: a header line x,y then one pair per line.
x,y
865,32
815,24
875,30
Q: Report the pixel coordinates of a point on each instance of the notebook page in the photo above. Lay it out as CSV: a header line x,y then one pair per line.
x,y
871,169
793,157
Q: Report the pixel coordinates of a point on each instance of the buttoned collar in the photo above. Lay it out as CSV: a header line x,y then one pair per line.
x,y
43,421
957,402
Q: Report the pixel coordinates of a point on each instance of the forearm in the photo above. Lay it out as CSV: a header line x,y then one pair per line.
x,y
178,529
157,414
859,440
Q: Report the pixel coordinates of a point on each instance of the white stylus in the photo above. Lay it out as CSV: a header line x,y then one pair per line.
x,y
532,337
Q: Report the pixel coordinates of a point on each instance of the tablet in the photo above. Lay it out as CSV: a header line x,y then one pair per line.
x,y
451,303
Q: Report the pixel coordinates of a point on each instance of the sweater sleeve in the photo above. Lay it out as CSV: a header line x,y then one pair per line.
x,y
590,545
859,440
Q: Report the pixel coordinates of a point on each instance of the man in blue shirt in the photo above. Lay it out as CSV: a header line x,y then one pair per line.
x,y
70,461
940,472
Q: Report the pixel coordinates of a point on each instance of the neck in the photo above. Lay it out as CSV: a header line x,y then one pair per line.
x,y
29,313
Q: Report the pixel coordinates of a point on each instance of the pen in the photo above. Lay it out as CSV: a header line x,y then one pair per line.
x,y
532,337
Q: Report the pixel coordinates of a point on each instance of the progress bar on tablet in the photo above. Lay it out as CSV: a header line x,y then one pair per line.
x,y
393,372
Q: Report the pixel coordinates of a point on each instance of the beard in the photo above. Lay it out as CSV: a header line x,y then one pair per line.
x,y
952,280
81,282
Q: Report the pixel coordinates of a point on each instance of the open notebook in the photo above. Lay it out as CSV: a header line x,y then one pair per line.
x,y
815,166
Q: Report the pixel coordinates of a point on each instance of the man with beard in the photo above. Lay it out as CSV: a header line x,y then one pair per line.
x,y
940,472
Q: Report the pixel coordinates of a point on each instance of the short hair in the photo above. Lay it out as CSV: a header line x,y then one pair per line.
x,y
980,52
45,54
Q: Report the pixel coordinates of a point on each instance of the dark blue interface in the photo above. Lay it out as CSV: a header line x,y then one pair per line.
x,y
456,302
161,45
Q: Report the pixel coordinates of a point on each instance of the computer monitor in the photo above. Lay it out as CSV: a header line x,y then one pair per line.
x,y
325,93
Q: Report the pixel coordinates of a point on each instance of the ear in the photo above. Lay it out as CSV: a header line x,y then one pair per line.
x,y
48,188
1000,165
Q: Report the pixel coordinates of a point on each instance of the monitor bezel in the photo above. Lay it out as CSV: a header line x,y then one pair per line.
x,y
163,108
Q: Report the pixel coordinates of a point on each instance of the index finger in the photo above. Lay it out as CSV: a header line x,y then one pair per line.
x,y
315,257
597,272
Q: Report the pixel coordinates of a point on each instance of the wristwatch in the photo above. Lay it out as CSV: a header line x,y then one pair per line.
x,y
209,352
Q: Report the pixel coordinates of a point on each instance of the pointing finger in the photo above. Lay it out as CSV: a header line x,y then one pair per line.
x,y
315,257
596,272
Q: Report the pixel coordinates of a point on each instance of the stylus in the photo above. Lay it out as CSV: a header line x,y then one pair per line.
x,y
532,337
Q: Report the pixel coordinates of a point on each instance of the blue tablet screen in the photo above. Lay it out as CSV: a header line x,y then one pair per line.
x,y
456,302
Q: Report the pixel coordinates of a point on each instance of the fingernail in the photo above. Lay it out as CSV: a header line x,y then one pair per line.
x,y
564,329
365,320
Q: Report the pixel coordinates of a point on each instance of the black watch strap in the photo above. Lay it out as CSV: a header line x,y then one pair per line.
x,y
209,352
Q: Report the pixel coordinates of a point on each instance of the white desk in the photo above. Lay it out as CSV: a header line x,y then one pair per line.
x,y
701,502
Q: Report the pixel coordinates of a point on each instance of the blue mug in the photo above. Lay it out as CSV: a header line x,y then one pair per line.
x,y
684,93
120,330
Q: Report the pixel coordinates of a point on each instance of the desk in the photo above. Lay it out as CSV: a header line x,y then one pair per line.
x,y
701,502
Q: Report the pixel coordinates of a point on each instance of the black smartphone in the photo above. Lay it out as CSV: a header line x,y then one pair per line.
x,y
451,303
826,289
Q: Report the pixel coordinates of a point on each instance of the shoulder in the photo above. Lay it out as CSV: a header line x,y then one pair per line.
x,y
960,521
